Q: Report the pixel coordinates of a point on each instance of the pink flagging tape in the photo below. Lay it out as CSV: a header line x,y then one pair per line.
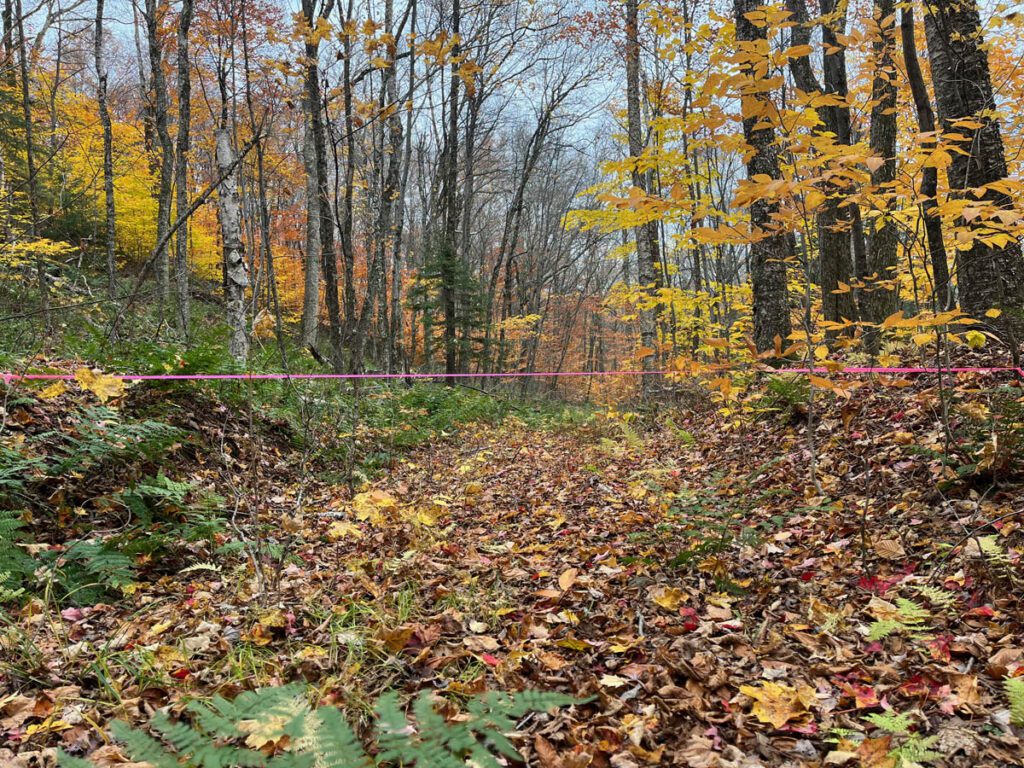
x,y
9,377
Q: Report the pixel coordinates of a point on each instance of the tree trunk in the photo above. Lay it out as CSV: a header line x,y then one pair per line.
x,y
840,232
108,152
30,164
989,276
181,277
328,257
311,286
153,13
942,287
397,319
449,255
769,247
881,295
237,270
648,261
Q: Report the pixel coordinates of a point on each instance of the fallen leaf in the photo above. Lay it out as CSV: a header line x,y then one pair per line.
x,y
777,704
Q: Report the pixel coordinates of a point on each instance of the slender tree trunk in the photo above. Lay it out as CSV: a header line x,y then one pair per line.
x,y
153,13
266,249
30,164
840,232
8,64
230,211
181,276
769,247
881,294
328,256
648,261
311,286
346,220
397,318
108,152
989,276
942,286
449,254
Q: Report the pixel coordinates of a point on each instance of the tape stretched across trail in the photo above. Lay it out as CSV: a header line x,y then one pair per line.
x,y
9,377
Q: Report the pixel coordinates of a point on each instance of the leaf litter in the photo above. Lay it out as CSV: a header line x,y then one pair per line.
x,y
713,613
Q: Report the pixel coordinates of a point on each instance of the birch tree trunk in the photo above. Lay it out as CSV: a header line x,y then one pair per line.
x,y
235,265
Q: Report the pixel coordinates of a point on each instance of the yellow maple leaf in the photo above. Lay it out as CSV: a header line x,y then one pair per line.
x,y
373,506
668,598
54,390
777,704
100,384
340,529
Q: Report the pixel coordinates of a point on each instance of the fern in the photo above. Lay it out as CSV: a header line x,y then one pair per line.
x,y
911,612
1015,693
632,438
879,630
102,437
937,596
15,469
225,734
895,723
910,619
9,591
684,436
15,563
992,549
915,750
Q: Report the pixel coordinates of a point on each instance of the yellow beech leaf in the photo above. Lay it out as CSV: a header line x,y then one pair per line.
x,y
874,163
777,704
103,386
993,313
567,579
613,681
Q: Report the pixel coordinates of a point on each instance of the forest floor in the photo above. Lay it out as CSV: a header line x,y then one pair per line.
x,y
723,594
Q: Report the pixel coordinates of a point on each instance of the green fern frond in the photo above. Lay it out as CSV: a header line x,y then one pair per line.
x,y
221,732
879,630
915,751
911,612
897,724
937,596
334,744
142,747
67,761
630,435
1015,693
